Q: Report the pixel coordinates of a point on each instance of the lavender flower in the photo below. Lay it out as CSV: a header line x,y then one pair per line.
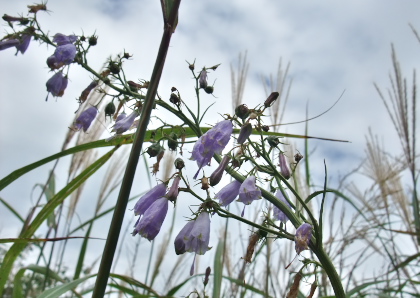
x,y
61,39
248,191
228,193
64,54
202,80
179,242
24,43
195,236
217,175
174,190
149,198
85,119
284,166
278,214
149,225
302,237
57,84
213,141
245,132
5,44
124,124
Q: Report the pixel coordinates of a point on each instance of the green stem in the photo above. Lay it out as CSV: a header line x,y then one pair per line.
x,y
121,206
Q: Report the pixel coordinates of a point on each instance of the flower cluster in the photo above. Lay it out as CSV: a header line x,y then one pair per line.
x,y
213,141
65,52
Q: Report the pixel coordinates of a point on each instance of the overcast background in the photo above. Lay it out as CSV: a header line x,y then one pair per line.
x,y
332,46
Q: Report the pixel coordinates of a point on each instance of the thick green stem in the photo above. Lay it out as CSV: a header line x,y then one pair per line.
x,y
121,206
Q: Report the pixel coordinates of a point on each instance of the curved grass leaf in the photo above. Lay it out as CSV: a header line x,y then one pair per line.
x,y
218,270
17,248
60,290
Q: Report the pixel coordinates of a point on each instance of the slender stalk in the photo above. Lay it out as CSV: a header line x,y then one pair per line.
x,y
121,206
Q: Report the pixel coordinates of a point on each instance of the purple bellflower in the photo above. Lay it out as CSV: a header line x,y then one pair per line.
x,y
278,214
85,119
244,133
194,237
228,193
61,39
284,166
64,54
149,198
148,226
248,192
24,43
5,44
57,84
302,237
124,124
213,141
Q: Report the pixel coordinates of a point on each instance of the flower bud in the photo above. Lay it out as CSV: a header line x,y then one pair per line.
x,y
110,109
273,141
179,163
114,67
205,183
217,175
271,99
172,141
298,157
206,276
265,128
93,40
202,80
245,132
209,89
174,190
174,99
284,166
242,111
154,149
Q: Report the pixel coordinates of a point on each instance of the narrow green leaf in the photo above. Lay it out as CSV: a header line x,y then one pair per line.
x,y
218,270
60,290
12,210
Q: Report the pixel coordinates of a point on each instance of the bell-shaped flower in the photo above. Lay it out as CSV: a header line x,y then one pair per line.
x,y
284,166
5,44
213,141
228,193
148,226
244,133
248,192
180,239
85,119
65,54
24,43
302,237
61,39
173,192
149,198
278,214
57,84
124,124
217,175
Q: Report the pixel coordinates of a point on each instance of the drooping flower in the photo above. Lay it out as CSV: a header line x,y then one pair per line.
x,y
302,237
180,239
5,44
148,226
85,119
202,80
24,43
213,141
174,190
217,175
244,133
125,123
228,193
248,192
11,19
64,54
284,166
278,214
61,39
149,198
57,84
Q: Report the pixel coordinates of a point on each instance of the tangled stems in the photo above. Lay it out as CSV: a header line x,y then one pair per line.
x,y
120,208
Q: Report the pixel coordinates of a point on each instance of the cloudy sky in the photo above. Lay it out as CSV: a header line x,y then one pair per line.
x,y
332,46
